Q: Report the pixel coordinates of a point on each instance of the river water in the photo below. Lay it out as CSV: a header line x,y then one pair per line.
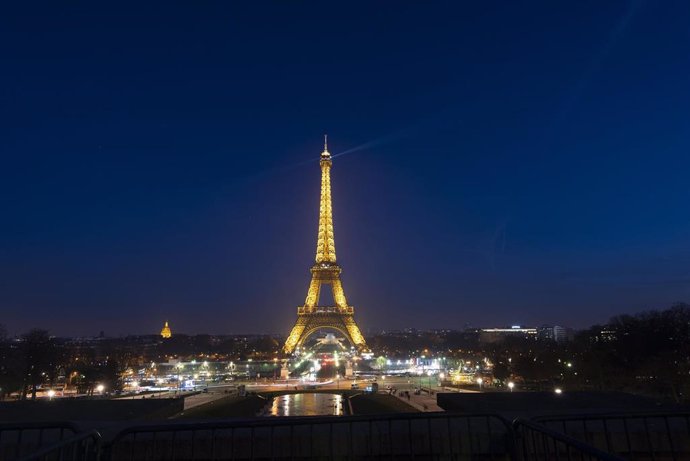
x,y
307,405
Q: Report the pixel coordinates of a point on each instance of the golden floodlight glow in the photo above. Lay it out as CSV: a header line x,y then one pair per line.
x,y
165,332
325,241
310,316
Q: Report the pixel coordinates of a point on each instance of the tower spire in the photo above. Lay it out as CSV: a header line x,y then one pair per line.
x,y
325,155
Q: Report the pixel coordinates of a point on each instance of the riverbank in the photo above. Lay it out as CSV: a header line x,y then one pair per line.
x,y
251,405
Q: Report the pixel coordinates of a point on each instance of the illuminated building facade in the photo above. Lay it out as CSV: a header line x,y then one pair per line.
x,y
492,335
311,317
554,333
165,332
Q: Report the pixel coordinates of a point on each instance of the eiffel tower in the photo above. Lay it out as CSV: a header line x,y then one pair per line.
x,y
312,317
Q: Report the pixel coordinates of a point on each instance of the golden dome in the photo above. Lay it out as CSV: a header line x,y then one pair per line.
x,y
165,332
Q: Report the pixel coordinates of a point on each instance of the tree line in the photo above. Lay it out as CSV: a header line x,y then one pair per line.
x,y
36,359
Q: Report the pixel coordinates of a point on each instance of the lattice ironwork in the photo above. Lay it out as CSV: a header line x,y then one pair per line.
x,y
312,317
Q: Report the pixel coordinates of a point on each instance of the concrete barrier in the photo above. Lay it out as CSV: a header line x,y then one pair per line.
x,y
89,409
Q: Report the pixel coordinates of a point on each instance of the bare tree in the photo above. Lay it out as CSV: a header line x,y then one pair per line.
x,y
11,366
39,352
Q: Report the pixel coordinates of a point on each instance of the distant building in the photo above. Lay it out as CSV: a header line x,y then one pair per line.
x,y
554,333
606,334
165,332
493,335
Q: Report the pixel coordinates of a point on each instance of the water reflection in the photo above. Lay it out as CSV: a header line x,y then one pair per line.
x,y
307,405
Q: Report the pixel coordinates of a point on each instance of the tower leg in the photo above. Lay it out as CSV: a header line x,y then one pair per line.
x,y
295,336
353,331
313,293
307,323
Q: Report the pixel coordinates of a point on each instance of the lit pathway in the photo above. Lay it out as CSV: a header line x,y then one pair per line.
x,y
206,397
424,401
190,400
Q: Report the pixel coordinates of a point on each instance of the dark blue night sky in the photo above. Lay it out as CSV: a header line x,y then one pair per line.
x,y
511,162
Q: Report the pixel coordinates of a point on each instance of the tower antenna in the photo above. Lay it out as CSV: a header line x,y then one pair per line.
x,y
325,143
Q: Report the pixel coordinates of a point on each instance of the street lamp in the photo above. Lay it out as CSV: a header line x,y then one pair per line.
x,y
100,388
511,385
558,391
51,394
179,367
479,382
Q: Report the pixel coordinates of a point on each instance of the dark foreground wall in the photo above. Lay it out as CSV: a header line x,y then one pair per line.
x,y
89,410
530,404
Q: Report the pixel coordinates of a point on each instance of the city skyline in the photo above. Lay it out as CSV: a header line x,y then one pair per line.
x,y
497,165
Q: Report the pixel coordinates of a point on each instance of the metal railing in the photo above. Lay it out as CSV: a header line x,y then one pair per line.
x,y
80,447
18,440
537,442
656,436
443,436
420,436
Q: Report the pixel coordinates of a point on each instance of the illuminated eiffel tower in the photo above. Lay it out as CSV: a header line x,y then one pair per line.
x,y
312,317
